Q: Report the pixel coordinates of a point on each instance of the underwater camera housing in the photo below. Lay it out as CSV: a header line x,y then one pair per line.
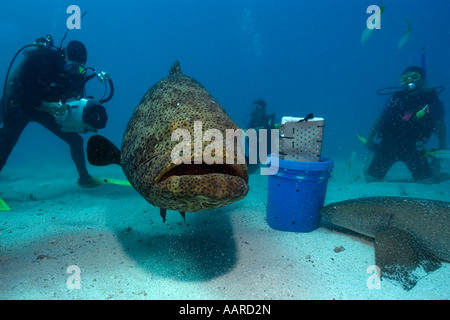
x,y
84,115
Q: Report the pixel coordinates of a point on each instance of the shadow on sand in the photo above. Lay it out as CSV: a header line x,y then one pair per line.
x,y
198,250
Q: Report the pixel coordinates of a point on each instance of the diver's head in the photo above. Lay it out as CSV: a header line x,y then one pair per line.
x,y
76,52
260,105
413,79
76,57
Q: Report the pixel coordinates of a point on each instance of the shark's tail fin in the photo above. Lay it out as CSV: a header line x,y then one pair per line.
x,y
401,258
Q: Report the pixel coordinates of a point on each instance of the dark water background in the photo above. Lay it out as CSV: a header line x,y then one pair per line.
x,y
299,56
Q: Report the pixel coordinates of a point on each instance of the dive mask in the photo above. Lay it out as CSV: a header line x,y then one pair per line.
x,y
410,77
75,68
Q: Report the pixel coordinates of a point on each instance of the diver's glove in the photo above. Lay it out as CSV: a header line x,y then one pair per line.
x,y
56,109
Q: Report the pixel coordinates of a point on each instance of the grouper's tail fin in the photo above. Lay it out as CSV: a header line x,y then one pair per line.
x,y
102,152
175,68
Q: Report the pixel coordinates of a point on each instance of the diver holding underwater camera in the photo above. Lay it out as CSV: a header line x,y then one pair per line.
x,y
48,87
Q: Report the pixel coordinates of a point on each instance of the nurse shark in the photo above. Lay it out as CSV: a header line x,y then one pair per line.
x,y
411,235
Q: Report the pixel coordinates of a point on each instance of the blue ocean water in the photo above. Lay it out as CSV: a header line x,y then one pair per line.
x,y
298,56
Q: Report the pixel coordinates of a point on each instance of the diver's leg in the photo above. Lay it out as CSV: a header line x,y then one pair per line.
x,y
420,168
382,161
74,140
435,165
13,124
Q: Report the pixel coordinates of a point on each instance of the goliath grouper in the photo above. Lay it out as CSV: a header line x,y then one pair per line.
x,y
175,102
411,235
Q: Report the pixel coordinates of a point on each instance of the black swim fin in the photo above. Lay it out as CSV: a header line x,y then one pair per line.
x,y
102,152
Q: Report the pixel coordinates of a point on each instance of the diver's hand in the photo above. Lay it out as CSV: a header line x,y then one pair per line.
x,y
56,109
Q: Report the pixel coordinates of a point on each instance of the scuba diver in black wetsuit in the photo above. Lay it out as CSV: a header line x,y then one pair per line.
x,y
47,84
406,124
259,119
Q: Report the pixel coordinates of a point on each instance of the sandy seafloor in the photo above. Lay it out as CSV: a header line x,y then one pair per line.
x,y
124,251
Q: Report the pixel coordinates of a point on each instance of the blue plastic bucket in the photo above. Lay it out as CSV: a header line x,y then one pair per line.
x,y
296,193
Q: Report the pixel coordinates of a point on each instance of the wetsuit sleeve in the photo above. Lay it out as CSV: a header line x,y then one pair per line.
x,y
373,131
271,120
440,127
377,126
249,123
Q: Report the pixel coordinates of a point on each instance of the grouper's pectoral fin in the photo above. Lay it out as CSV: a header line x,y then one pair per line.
x,y
102,152
401,258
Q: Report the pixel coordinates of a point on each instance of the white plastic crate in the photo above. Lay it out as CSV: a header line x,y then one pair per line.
x,y
301,141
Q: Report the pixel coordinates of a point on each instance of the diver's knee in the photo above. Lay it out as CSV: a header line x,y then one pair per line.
x,y
75,141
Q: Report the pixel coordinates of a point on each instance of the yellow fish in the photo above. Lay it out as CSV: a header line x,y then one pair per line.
x,y
367,33
439,154
405,37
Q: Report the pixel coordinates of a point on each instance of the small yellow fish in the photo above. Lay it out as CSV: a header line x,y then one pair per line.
x,y
405,37
362,138
443,154
367,33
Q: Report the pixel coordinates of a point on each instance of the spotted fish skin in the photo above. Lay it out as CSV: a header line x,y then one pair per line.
x,y
411,235
176,102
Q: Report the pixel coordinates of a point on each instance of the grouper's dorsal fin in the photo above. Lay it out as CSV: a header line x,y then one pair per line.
x,y
175,68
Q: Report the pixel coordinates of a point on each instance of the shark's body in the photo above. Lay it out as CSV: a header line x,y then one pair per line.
x,y
411,235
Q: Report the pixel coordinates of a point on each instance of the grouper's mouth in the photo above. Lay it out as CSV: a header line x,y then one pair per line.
x,y
203,169
198,187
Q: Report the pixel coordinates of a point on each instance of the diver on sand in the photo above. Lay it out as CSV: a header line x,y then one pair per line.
x,y
37,91
406,124
259,119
